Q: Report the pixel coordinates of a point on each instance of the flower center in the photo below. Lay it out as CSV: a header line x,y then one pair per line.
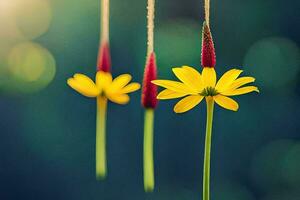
x,y
209,91
102,94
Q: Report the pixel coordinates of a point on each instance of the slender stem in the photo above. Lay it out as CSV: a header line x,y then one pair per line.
x,y
148,151
150,26
206,167
206,10
101,138
104,34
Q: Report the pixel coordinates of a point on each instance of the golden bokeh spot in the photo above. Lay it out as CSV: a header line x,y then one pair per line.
x,y
33,17
31,67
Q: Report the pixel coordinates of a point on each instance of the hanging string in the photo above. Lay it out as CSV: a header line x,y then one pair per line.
x,y
150,26
104,34
206,10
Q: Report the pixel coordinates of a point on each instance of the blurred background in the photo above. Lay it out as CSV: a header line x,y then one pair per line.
x,y
47,130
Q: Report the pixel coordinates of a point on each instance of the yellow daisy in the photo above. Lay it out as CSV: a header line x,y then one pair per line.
x,y
105,88
195,86
116,90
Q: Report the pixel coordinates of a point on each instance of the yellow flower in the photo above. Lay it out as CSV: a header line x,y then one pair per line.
x,y
195,86
115,90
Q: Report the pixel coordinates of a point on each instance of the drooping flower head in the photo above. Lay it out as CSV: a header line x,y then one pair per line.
x,y
194,86
149,89
116,90
208,55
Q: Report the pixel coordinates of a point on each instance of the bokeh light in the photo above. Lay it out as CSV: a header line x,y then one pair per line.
x,y
30,18
274,62
33,17
30,66
291,166
9,32
269,165
24,66
48,130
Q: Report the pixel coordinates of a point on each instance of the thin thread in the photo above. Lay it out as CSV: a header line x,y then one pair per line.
x,y
150,26
206,10
104,34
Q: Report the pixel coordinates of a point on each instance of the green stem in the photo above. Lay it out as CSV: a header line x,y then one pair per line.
x,y
148,151
101,138
206,167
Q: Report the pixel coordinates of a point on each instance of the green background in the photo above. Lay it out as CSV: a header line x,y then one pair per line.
x,y
47,130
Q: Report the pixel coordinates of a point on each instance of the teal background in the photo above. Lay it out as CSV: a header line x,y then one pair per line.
x,y
47,137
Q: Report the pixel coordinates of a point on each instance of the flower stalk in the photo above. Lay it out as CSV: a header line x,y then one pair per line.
x,y
103,64
148,151
207,151
101,166
149,100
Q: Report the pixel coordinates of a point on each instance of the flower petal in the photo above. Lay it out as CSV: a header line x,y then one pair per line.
x,y
83,79
226,102
174,85
187,103
209,77
119,98
190,77
227,79
83,85
103,80
240,82
240,91
195,75
131,87
169,94
119,82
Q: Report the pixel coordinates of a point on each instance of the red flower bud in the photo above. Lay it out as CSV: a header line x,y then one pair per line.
x,y
104,60
208,56
149,89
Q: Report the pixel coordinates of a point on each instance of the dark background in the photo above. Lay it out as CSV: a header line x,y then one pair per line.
x,y
47,131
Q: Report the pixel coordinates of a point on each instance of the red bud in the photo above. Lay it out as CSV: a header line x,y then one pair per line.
x,y
208,56
104,60
149,89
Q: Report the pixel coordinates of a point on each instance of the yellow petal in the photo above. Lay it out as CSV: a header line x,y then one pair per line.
x,y
240,82
131,87
174,85
240,91
84,87
169,94
119,82
119,98
190,77
195,75
83,79
226,102
227,79
187,103
209,77
103,80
